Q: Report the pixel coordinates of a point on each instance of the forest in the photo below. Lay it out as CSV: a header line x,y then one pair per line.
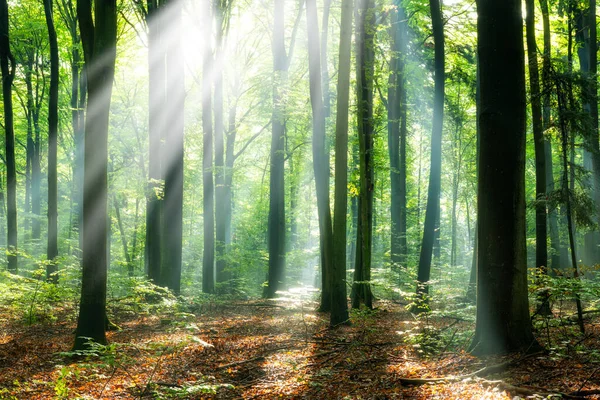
x,y
321,199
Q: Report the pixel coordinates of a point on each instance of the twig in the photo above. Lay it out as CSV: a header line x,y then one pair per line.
x,y
586,381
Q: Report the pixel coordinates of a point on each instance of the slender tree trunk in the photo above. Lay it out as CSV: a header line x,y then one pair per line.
x,y
320,156
222,274
99,43
324,65
172,162
29,110
7,67
208,261
52,250
123,236
276,228
339,301
594,137
397,136
229,162
432,212
365,25
541,230
36,176
562,106
156,126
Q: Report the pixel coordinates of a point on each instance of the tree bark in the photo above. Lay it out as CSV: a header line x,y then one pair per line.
x,y
339,301
432,211
156,126
555,245
276,227
52,246
365,25
7,67
98,36
222,275
208,260
172,162
397,136
503,323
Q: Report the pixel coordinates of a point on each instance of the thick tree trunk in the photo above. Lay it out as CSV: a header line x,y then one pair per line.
x,y
339,301
432,212
365,23
52,249
99,42
7,67
503,323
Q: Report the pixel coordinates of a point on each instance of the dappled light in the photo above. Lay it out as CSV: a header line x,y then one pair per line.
x,y
312,199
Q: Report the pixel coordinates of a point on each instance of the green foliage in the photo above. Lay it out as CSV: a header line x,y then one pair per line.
x,y
61,388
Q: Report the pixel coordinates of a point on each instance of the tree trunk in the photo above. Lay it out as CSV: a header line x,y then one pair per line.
x,y
339,301
172,161
222,274
276,228
503,323
432,212
208,260
320,156
541,230
156,125
128,262
52,250
555,244
365,25
7,67
397,136
98,35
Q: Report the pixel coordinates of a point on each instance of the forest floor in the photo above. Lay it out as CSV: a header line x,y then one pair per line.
x,y
282,349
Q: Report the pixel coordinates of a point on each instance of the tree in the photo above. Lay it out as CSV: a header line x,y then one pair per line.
x,y
156,126
276,223
319,153
541,230
52,250
546,66
432,212
208,260
503,322
339,301
172,161
68,14
276,227
99,36
7,67
365,25
397,130
222,9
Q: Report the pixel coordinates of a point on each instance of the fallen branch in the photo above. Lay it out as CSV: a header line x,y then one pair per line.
x,y
238,363
528,392
492,369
